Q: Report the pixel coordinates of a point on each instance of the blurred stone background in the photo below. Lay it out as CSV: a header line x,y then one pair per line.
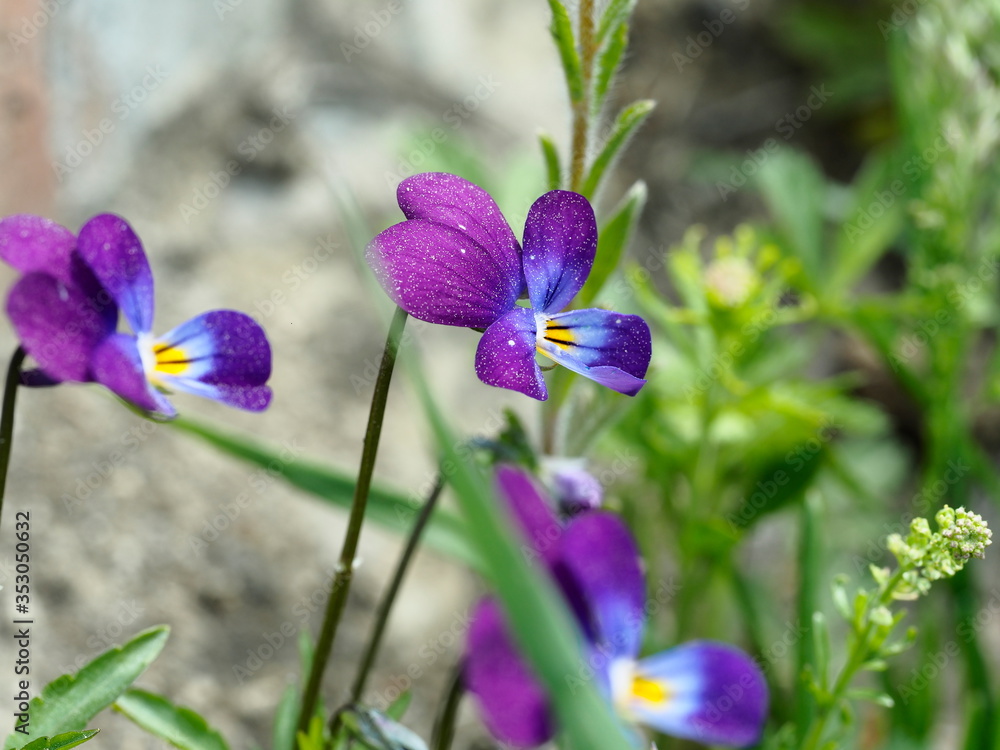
x,y
232,134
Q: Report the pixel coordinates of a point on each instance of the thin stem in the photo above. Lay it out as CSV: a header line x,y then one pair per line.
x,y
385,606
7,418
581,108
345,568
444,725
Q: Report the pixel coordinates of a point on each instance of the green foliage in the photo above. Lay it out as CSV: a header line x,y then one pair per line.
x,y
612,239
181,727
62,741
562,34
624,126
71,701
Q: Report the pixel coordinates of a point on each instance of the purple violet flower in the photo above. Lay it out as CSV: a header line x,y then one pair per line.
x,y
455,261
702,690
65,307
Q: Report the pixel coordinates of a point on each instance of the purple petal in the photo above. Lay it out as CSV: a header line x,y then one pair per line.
x,y
33,243
117,365
506,355
560,241
58,325
458,204
113,251
513,705
709,692
223,355
608,347
533,514
600,567
442,275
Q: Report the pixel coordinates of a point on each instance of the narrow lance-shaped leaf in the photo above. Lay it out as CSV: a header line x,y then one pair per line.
x,y
616,14
71,701
541,624
627,122
608,60
553,169
389,508
562,33
181,727
612,241
62,741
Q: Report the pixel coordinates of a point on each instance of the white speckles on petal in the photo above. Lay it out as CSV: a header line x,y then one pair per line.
x,y
510,342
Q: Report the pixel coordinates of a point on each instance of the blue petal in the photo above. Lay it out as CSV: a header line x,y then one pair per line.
x,y
506,355
601,575
608,347
114,253
222,355
560,240
117,365
709,692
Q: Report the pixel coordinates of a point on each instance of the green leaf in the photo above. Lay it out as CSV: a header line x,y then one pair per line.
x,y
617,14
285,718
612,241
627,122
608,60
778,484
875,696
71,701
61,741
541,624
398,707
795,191
553,169
873,219
390,508
562,33
181,727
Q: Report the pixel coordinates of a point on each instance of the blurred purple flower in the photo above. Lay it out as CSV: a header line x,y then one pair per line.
x,y
704,691
455,261
574,488
65,307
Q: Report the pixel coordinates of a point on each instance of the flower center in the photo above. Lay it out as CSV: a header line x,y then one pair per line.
x,y
648,690
558,334
159,358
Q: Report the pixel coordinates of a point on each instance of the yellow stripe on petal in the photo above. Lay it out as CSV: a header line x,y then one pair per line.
x,y
561,336
171,360
650,691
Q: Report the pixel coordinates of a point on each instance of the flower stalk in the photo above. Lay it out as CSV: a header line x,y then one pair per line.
x,y
7,418
345,568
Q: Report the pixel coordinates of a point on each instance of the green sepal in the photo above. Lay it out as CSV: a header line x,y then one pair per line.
x,y
625,125
71,701
181,727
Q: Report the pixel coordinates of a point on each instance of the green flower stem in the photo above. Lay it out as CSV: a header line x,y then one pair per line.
x,y
444,725
581,108
859,653
385,606
7,418
345,568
